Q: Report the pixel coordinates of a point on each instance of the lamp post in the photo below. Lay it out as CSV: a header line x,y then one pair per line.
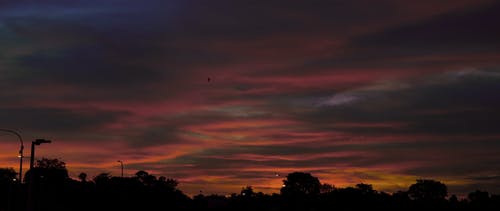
x,y
20,151
121,163
36,142
30,203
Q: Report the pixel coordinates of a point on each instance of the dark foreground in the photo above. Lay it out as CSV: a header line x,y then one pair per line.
x,y
50,189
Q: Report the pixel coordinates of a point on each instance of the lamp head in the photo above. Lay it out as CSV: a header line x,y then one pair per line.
x,y
41,141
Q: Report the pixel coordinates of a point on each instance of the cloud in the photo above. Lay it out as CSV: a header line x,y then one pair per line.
x,y
57,120
461,32
339,99
442,103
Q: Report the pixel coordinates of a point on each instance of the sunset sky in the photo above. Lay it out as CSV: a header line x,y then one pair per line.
x,y
221,94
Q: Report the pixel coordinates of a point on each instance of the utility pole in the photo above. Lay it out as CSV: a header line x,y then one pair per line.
x,y
20,151
30,205
36,142
121,163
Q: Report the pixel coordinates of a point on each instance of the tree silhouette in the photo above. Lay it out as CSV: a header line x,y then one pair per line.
x,y
7,175
428,190
83,177
247,191
365,189
102,178
7,184
47,182
299,184
47,170
145,178
478,196
326,188
479,199
167,183
50,163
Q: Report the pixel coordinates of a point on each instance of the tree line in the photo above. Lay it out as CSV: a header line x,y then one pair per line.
x,y
48,187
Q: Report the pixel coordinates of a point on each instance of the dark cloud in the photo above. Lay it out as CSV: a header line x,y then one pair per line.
x,y
486,178
57,120
467,31
451,39
155,136
65,53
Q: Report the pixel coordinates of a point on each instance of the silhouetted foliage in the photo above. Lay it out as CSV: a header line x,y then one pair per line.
x,y
50,164
83,177
326,188
428,190
428,194
48,184
8,183
144,191
365,189
479,199
47,170
102,178
167,182
247,191
145,178
479,196
299,184
7,175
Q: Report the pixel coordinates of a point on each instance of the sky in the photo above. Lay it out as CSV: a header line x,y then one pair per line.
x,y
222,94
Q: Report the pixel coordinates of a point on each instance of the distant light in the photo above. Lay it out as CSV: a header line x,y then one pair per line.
x,y
19,156
243,194
283,185
14,179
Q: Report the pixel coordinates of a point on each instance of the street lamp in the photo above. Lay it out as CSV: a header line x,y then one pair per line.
x,y
20,151
36,142
121,163
30,202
